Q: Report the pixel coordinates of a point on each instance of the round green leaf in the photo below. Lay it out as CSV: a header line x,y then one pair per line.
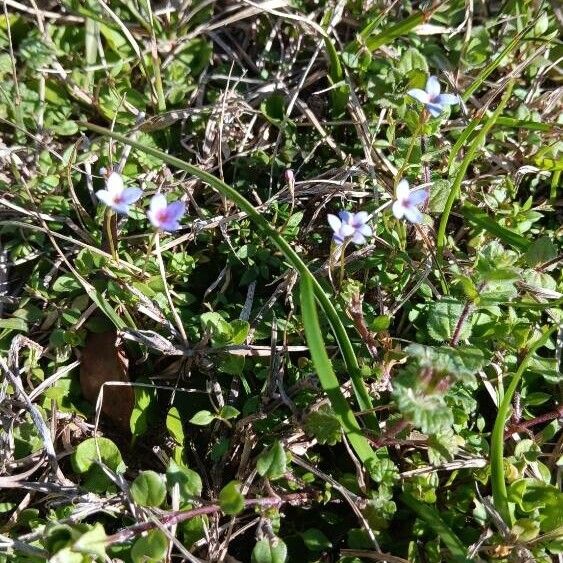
x,y
269,551
230,498
150,548
202,418
188,481
86,455
148,489
315,540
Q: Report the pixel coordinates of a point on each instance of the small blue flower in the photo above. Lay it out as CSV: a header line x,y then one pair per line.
x,y
350,226
433,101
164,216
117,196
407,202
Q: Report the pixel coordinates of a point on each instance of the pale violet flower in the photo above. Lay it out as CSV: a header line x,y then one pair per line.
x,y
433,101
164,216
117,196
407,202
350,226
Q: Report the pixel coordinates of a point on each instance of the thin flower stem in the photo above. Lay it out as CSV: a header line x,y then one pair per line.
x,y
414,138
148,254
109,217
342,265
177,319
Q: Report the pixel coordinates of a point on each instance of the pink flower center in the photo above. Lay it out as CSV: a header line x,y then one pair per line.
x,y
162,215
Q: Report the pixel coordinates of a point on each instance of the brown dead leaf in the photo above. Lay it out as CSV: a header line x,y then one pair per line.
x,y
103,359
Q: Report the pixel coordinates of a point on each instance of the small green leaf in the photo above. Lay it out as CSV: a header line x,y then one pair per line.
x,y
92,542
228,412
269,550
148,489
239,329
540,251
188,481
272,463
202,418
14,324
86,454
231,499
219,328
66,284
315,540
324,426
443,317
150,548
174,425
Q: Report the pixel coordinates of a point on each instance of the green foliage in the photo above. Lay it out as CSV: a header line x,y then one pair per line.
x,y
391,377
87,458
188,481
324,426
269,550
148,489
149,548
231,499
272,463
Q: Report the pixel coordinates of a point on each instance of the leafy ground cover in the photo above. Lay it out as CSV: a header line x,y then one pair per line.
x,y
280,282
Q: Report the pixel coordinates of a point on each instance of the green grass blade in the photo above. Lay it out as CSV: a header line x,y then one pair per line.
x,y
432,517
498,483
344,343
394,31
476,143
339,93
477,217
327,377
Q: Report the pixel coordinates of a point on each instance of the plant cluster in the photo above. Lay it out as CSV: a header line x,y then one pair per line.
x,y
280,283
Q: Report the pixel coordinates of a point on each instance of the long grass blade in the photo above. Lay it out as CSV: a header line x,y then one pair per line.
x,y
498,483
327,377
476,143
432,517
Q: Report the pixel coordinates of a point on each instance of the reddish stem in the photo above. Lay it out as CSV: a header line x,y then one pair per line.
x,y
522,426
173,518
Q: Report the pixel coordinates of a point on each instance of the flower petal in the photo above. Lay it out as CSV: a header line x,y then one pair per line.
x,y
334,222
121,207
413,214
419,95
448,99
170,225
345,216
105,197
365,230
114,184
398,209
402,190
176,210
432,87
358,238
131,195
417,197
360,219
337,239
153,218
346,230
158,203
434,109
